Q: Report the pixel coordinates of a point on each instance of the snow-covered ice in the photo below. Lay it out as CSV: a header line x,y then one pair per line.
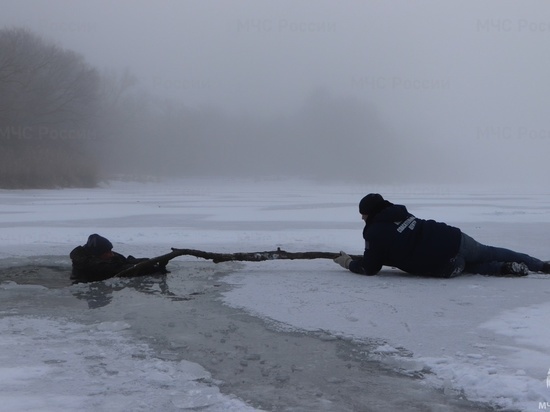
x,y
481,337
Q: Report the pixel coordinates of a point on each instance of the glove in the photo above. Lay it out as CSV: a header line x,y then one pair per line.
x,y
343,260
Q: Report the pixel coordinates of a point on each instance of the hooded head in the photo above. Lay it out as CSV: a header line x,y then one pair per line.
x,y
372,203
98,245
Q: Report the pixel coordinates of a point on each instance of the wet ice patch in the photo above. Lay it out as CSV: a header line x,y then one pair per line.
x,y
10,285
70,366
385,348
112,326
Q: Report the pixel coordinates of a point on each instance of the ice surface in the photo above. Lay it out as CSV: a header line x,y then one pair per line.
x,y
483,337
53,365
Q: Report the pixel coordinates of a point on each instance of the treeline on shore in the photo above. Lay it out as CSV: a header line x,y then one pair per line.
x,y
64,123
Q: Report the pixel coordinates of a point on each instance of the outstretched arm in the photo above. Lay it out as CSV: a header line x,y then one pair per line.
x,y
356,264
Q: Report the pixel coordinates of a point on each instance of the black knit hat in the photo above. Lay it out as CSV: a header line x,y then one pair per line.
x,y
98,245
372,203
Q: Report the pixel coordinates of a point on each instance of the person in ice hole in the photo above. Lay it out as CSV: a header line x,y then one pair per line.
x,y
394,237
96,261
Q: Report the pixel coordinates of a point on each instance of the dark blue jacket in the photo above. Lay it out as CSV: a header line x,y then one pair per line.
x,y
394,237
87,267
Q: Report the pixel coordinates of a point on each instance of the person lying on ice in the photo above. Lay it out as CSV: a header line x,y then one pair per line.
x,y
394,237
96,261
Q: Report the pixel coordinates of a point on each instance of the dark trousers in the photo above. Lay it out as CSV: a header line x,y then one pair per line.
x,y
473,257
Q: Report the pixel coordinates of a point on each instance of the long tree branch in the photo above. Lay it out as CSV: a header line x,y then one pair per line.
x,y
278,254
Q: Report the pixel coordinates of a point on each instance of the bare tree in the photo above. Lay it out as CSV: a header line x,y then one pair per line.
x,y
48,111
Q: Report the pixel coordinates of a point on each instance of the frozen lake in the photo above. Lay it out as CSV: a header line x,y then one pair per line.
x,y
276,335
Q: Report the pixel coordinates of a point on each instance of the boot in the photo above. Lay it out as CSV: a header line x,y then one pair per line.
x,y
546,268
513,269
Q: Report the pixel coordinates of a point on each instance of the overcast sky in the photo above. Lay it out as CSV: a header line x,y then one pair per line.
x,y
466,76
